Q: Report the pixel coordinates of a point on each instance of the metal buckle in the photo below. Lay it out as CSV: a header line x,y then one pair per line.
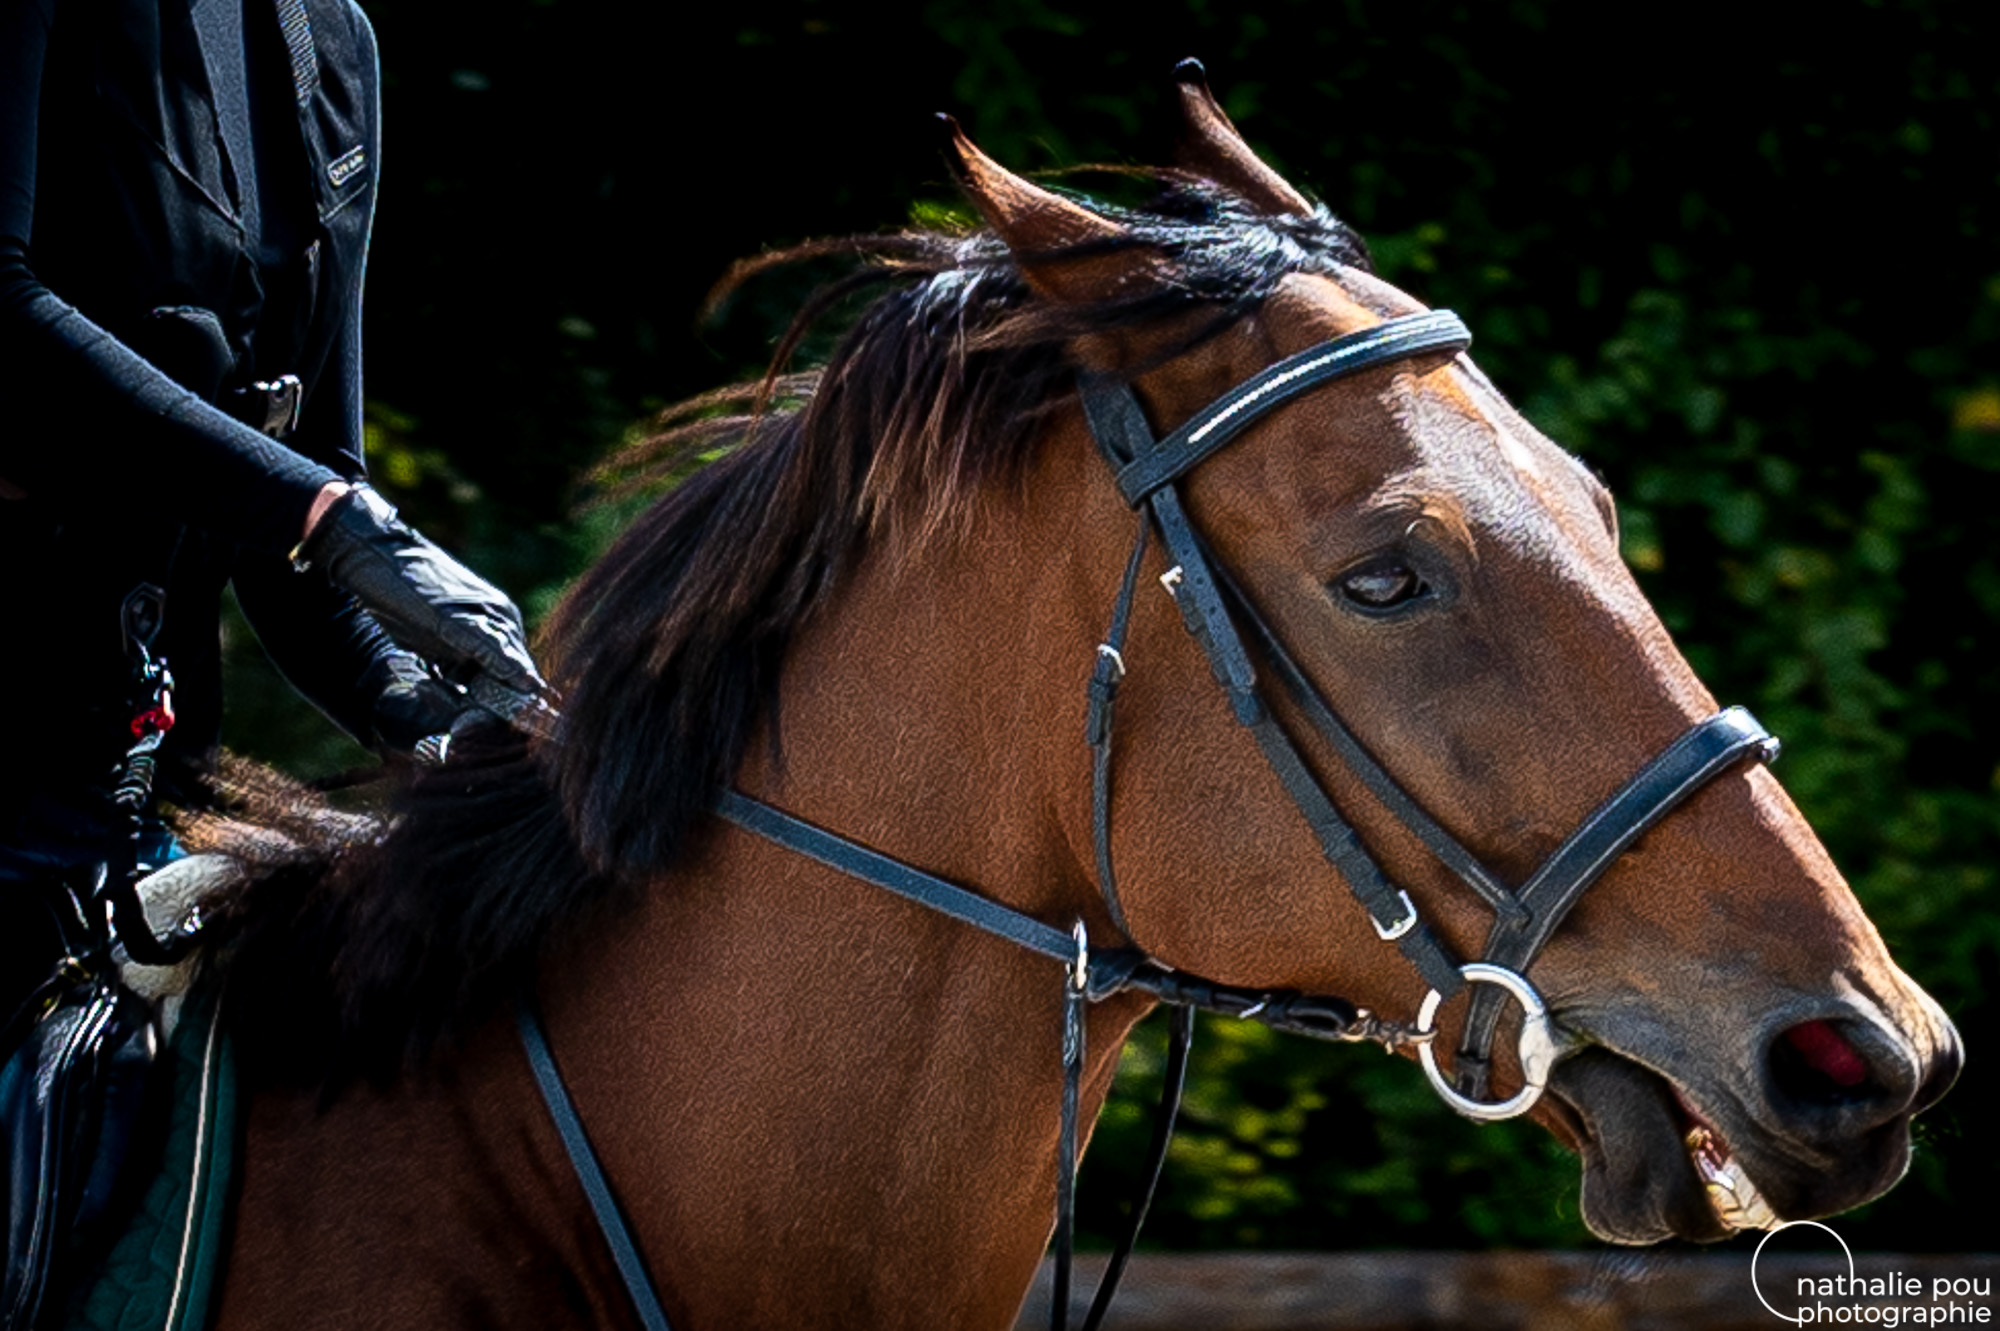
x,y
271,406
1391,932
1110,653
1541,1045
284,400
1171,580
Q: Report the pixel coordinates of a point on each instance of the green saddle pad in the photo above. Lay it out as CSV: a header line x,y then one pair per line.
x,y
160,1274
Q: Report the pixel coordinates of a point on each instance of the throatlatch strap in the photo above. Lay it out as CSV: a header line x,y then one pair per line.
x,y
610,1220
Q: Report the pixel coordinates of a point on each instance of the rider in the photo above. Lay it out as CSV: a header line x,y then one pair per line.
x,y
186,193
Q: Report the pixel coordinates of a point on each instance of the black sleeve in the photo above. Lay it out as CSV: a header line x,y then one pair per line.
x,y
319,638
205,468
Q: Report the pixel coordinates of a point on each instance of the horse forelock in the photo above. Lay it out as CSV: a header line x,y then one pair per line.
x,y
668,651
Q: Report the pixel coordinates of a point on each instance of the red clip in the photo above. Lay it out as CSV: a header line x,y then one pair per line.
x,y
155,720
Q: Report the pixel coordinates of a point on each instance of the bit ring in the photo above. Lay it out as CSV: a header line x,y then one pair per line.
x,y
1541,1046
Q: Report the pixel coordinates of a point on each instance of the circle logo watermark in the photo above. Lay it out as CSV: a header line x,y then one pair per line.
x,y
1894,1299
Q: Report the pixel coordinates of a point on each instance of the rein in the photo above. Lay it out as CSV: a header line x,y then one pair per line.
x,y
1212,605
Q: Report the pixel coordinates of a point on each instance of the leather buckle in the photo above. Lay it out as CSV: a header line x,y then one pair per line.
x,y
1395,929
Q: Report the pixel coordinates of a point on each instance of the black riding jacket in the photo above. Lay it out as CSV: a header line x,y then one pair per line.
x,y
186,192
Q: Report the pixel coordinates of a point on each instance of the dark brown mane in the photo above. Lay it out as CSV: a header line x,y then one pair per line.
x,y
667,652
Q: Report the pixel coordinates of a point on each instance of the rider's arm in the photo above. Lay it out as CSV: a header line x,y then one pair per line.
x,y
146,431
154,443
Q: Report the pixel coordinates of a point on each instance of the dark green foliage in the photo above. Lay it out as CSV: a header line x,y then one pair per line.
x,y
1741,258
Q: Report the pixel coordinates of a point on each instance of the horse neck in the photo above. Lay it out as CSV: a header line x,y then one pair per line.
x,y
805,1088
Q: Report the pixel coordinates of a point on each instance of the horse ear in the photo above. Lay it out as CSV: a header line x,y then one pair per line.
x,y
1211,148
1038,226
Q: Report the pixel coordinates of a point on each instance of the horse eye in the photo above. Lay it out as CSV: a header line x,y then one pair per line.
x,y
1383,586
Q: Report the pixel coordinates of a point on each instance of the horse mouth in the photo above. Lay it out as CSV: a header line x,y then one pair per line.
x,y
1654,1166
1737,1203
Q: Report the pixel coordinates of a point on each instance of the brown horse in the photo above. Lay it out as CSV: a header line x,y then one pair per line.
x,y
822,1105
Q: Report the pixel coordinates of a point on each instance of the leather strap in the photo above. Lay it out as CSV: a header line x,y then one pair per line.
x,y
1105,677
1180,1038
1661,786
856,860
1075,996
1121,970
1215,425
610,1220
1362,763
1705,752
1119,426
1121,430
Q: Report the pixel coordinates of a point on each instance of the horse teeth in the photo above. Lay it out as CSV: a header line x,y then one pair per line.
x,y
1735,1198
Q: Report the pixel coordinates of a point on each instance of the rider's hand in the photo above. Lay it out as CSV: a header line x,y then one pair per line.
x,y
428,601
408,704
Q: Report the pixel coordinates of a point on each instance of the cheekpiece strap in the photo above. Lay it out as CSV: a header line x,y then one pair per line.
x,y
1119,425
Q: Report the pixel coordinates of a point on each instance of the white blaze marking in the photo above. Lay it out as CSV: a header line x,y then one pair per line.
x,y
1518,453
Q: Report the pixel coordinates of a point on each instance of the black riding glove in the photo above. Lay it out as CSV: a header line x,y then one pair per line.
x,y
429,602
407,704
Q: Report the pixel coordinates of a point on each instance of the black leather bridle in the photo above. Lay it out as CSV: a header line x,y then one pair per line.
x,y
1212,604
1225,623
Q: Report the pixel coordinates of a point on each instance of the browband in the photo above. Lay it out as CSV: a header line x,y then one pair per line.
x,y
1235,411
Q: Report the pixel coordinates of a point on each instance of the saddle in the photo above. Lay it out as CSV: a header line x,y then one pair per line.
x,y
72,1106
80,1108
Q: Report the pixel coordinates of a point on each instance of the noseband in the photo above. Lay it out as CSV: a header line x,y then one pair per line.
x,y
1212,606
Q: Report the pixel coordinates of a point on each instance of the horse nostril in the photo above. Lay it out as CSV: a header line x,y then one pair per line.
x,y
1819,1065
1828,1053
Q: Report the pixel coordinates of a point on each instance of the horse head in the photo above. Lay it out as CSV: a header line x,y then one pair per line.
x,y
1736,1045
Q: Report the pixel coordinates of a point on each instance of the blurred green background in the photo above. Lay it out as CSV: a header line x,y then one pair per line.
x,y
1740,257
